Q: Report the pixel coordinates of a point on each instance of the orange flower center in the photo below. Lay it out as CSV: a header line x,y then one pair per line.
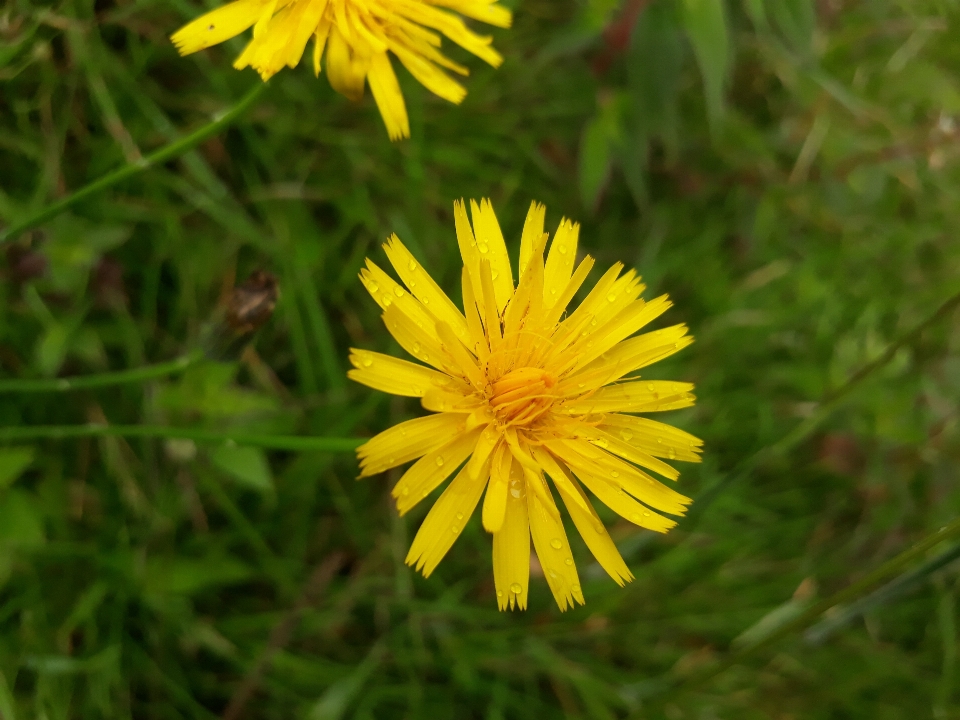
x,y
522,396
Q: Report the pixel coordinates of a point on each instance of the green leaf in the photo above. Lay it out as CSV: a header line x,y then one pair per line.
x,y
13,461
246,465
6,700
654,64
796,20
188,576
20,521
706,25
333,703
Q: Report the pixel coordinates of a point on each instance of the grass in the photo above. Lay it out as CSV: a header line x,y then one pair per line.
x,y
800,233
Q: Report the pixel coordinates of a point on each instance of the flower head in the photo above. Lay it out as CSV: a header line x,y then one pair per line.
x,y
357,35
524,391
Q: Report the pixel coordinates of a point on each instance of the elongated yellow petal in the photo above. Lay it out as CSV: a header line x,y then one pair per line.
x,y
392,375
643,396
423,287
386,92
511,547
532,233
388,292
560,261
432,469
408,441
489,439
495,501
445,521
422,345
628,452
217,25
429,75
553,550
587,521
346,67
491,247
656,438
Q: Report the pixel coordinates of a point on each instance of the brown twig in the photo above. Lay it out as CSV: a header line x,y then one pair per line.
x,y
281,634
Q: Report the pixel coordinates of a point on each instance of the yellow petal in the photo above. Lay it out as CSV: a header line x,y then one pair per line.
x,y
628,452
511,548
553,550
491,246
468,249
585,518
416,340
386,92
656,438
462,359
488,12
560,261
408,441
423,287
319,43
346,68
445,521
432,469
217,25
643,396
429,75
393,375
565,294
610,495
386,292
495,501
487,443
531,235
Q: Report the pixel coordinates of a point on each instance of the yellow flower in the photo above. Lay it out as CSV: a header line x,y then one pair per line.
x,y
523,391
357,34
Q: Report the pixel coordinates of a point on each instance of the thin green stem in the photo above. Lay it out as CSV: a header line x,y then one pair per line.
x,y
107,379
808,616
172,150
274,442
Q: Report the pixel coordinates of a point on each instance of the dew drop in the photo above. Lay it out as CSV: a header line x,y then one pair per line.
x,y
614,474
646,514
576,591
581,385
553,291
412,264
599,528
387,301
626,434
611,298
602,442
455,529
367,361
635,517
594,322
676,345
439,461
568,561
553,573
556,543
660,440
483,247
416,347
494,275
405,491
672,454
398,291
651,387
516,588
562,249
425,301
499,593
459,516
515,492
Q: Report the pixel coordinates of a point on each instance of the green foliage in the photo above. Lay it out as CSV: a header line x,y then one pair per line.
x,y
789,175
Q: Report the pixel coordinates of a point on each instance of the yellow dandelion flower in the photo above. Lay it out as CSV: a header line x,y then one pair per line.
x,y
523,391
357,35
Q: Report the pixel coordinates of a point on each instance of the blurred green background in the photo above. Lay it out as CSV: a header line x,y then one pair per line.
x,y
786,169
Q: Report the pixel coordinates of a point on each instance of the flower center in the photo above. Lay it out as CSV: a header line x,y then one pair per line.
x,y
522,396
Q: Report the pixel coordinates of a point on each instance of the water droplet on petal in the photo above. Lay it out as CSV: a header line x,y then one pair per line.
x,y
387,301
553,291
614,474
373,287
562,249
425,301
366,361
439,461
416,347
499,593
412,264
576,591
515,492
568,561
602,442
646,514
459,516
553,573
599,528
455,529
660,440
626,434
651,387
483,247
611,298
516,588
635,517
594,322
494,275
405,491
672,454
398,291
556,543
